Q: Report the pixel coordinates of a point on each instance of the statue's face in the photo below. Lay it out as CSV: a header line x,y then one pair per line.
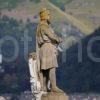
x,y
32,55
48,16
45,15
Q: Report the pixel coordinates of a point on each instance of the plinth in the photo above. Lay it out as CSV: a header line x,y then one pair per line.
x,y
54,96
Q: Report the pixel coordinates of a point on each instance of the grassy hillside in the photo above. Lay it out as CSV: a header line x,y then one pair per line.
x,y
8,4
87,11
26,10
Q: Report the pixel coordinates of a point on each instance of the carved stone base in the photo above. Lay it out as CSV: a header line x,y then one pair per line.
x,y
55,96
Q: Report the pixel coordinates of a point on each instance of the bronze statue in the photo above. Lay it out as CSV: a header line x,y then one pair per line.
x,y
46,49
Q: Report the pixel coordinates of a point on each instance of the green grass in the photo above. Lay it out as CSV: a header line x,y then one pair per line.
x,y
84,13
8,4
87,29
58,16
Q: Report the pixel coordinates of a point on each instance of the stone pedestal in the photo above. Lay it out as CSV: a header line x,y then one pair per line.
x,y
55,96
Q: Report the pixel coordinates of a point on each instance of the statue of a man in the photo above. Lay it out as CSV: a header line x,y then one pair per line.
x,y
47,42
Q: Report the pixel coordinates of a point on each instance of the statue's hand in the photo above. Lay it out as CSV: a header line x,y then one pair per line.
x,y
38,74
38,71
60,40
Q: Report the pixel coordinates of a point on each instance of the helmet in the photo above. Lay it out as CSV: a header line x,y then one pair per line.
x,y
44,14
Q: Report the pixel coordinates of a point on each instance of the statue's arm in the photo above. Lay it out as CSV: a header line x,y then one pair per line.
x,y
50,33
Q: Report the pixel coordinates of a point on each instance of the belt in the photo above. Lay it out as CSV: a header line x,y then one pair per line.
x,y
44,43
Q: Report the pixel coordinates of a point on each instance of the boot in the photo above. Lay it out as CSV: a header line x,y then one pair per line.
x,y
56,89
43,80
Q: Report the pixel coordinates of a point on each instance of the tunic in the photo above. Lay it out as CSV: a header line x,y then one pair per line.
x,y
47,41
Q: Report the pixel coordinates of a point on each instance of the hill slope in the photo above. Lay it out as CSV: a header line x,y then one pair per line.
x,y
30,10
86,11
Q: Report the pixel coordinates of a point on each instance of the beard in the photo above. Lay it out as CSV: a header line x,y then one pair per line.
x,y
48,22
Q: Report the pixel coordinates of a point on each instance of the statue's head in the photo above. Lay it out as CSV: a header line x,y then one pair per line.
x,y
32,55
45,14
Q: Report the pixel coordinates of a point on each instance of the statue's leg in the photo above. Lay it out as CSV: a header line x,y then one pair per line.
x,y
44,82
52,76
45,77
41,80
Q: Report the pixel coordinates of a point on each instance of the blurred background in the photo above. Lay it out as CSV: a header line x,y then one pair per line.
x,y
74,20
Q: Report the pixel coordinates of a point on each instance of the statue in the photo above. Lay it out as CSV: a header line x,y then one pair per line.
x,y
47,52
43,62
